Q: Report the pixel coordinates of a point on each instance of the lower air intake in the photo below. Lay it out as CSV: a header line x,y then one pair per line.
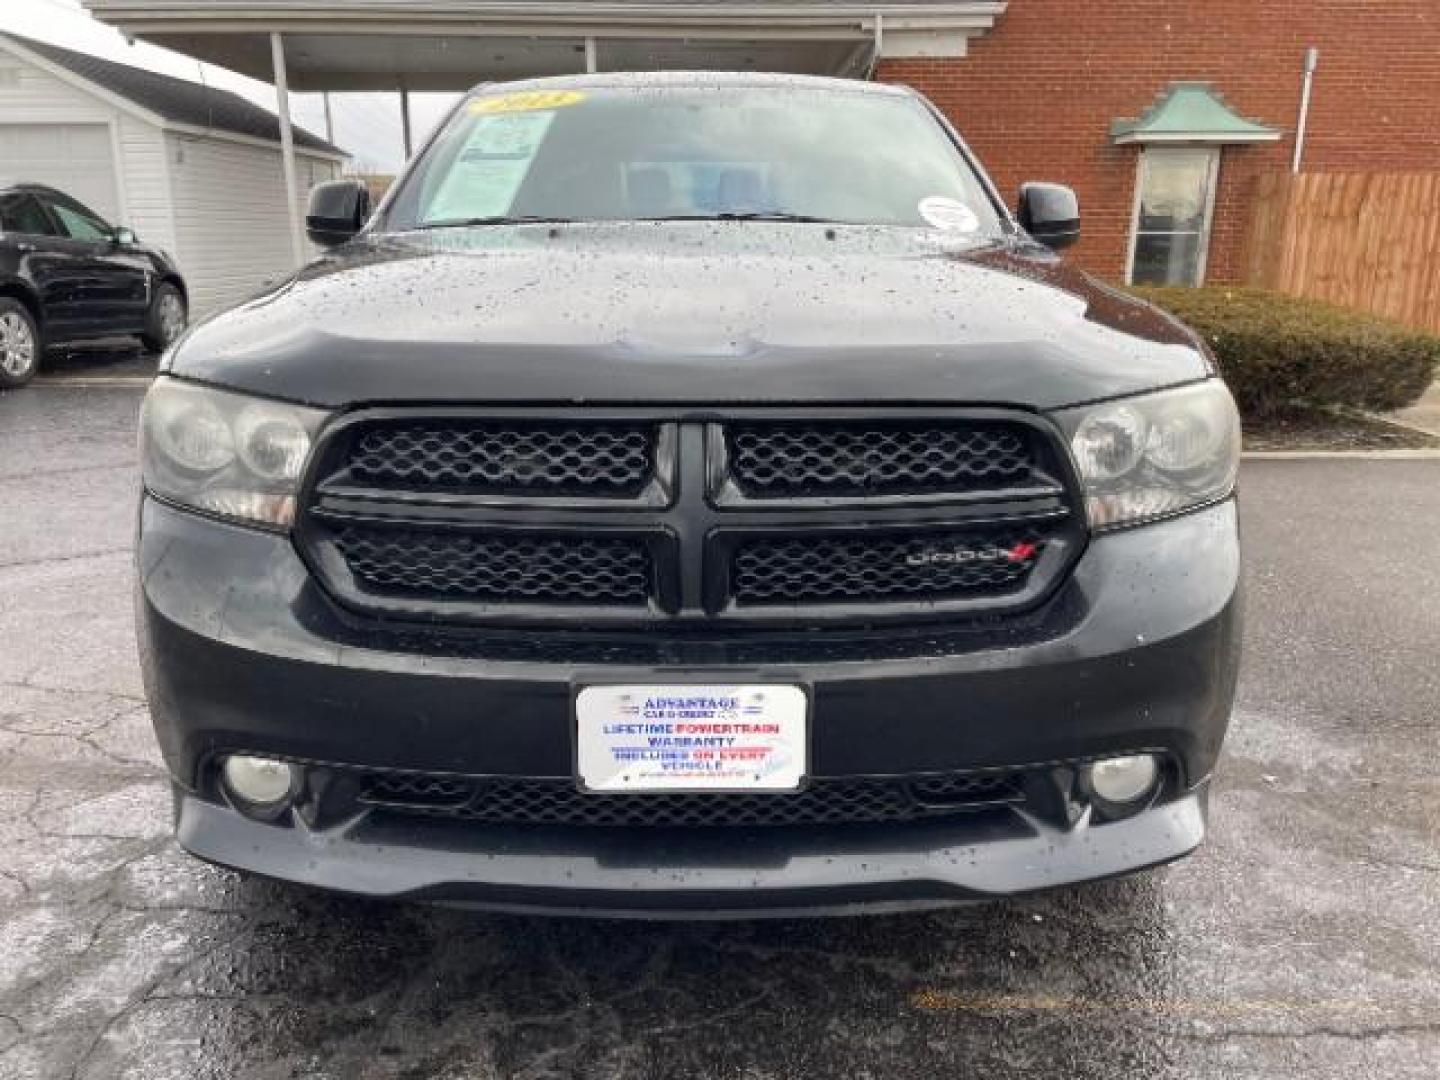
x,y
527,801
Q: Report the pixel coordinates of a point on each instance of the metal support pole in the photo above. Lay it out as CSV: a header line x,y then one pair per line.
x,y
405,121
592,62
1312,61
329,123
879,46
287,147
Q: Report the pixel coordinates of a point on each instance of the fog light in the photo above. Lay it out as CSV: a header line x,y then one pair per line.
x,y
259,784
1123,779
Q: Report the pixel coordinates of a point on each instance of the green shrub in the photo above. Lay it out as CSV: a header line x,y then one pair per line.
x,y
1279,352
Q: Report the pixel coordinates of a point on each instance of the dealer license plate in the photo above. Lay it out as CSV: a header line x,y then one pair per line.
x,y
691,737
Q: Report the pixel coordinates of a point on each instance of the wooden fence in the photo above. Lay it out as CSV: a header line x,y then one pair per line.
x,y
1365,240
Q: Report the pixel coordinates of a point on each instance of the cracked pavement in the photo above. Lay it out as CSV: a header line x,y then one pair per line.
x,y
1302,941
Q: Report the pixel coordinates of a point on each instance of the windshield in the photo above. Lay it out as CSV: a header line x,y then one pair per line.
x,y
625,154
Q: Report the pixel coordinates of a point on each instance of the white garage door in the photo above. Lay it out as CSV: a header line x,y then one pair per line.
x,y
72,157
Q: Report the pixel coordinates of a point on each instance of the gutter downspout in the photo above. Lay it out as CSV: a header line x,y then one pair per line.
x,y
879,45
1312,61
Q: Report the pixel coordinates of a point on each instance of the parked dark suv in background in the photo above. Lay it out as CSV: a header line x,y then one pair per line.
x,y
67,275
690,495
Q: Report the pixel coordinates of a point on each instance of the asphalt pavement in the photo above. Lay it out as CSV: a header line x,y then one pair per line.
x,y
1302,941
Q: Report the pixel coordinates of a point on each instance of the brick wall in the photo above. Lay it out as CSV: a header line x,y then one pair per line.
x,y
1036,95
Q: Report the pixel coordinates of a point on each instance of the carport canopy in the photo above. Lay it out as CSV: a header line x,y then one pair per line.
x,y
451,45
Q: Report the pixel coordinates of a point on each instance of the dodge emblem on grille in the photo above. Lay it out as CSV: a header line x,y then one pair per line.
x,y
1019,553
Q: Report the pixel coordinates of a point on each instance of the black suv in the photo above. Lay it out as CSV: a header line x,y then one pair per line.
x,y
690,495
66,275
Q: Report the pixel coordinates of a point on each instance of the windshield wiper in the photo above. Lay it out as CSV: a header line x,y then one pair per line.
x,y
544,219
749,215
498,219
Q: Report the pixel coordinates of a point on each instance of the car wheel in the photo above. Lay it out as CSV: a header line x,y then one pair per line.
x,y
20,344
166,319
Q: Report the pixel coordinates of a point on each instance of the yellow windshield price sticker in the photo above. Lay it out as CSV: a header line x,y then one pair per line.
x,y
528,101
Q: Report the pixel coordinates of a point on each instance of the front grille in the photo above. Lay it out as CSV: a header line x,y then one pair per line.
x,y
880,566
603,459
498,567
527,801
635,518
870,458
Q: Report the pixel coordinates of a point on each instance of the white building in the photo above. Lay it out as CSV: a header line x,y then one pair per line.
x,y
194,170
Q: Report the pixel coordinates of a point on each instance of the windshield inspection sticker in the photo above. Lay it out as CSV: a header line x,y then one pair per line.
x,y
691,738
949,214
529,101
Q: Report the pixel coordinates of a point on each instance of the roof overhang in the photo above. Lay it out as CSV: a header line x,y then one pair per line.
x,y
1190,112
453,44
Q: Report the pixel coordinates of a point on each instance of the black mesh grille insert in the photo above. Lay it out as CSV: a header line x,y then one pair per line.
x,y
498,567
525,801
877,566
872,458
600,459
415,790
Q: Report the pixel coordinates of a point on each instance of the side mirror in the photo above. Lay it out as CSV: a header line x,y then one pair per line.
x,y
123,237
338,210
1050,213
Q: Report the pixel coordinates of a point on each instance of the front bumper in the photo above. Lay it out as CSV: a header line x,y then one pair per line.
x,y
852,870
1138,651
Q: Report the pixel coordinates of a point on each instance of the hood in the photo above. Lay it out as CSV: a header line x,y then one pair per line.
x,y
692,313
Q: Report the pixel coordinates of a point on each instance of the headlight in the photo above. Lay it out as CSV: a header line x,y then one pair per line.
x,y
1154,455
225,453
